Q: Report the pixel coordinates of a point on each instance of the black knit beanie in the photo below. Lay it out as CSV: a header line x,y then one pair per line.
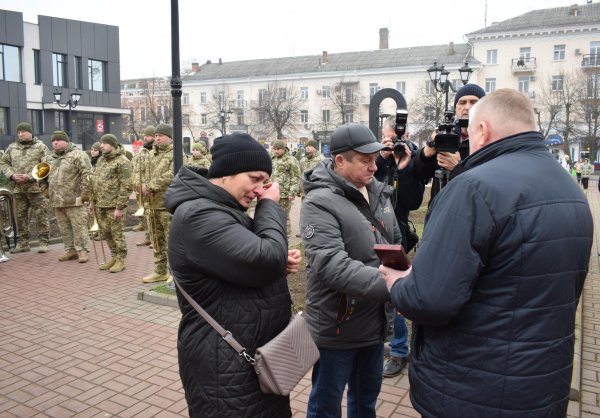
x,y
238,153
469,90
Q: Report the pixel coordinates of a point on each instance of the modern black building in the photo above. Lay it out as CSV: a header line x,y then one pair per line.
x,y
64,56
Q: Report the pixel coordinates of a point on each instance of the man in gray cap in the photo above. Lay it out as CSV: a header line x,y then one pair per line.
x,y
346,211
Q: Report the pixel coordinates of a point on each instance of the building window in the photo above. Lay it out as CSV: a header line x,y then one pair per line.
x,y
240,118
37,69
262,97
36,118
59,70
185,119
524,84
96,75
490,85
77,72
204,117
282,93
3,120
429,113
240,99
143,114
326,115
559,52
525,53
557,82
59,120
185,98
349,116
373,88
492,56
304,93
221,98
348,95
304,116
401,86
10,63
262,118
203,97
326,92
429,88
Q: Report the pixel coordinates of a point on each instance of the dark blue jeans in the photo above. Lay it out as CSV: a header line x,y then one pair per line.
x,y
360,368
399,343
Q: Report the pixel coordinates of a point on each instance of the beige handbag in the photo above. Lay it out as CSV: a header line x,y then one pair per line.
x,y
282,362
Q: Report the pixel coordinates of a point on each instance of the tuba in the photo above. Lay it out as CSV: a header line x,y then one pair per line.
x,y
40,171
8,221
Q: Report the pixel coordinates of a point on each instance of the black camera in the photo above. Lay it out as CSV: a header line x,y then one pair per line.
x,y
446,140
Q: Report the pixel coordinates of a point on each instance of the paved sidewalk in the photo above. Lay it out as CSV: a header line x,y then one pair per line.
x,y
75,341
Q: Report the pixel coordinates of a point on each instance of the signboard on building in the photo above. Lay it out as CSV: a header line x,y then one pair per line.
x,y
99,126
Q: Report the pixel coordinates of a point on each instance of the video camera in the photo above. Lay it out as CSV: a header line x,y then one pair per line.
x,y
446,140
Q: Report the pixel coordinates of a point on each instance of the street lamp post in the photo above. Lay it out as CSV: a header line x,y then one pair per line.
x,y
72,104
224,115
439,78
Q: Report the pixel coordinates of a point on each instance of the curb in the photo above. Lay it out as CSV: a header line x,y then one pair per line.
x,y
575,391
158,298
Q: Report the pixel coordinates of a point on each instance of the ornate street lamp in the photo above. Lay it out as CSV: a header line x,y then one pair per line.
x,y
224,115
439,78
72,104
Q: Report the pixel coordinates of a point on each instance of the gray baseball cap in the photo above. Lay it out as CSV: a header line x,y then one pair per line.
x,y
354,136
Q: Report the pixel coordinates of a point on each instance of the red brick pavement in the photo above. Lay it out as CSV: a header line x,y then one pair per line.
x,y
76,341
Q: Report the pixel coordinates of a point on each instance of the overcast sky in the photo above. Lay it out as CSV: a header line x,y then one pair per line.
x,y
247,29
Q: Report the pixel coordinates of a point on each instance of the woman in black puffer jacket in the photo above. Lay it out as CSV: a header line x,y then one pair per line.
x,y
235,268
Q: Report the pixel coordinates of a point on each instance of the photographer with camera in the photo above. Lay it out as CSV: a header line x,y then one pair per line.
x,y
395,168
439,158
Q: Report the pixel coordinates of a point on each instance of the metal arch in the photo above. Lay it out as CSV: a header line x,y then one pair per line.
x,y
376,101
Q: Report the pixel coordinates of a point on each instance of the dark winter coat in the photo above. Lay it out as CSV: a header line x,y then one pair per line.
x,y
495,285
343,278
235,268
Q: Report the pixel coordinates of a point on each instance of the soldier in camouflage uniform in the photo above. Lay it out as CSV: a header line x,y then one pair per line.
x,y
111,187
200,156
138,162
286,172
5,183
16,164
157,176
312,157
68,187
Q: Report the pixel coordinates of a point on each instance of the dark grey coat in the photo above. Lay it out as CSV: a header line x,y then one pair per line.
x,y
346,294
495,285
235,268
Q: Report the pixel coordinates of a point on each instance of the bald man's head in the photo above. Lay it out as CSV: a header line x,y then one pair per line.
x,y
503,113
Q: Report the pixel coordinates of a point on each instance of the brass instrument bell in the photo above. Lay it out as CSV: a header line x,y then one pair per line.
x,y
40,171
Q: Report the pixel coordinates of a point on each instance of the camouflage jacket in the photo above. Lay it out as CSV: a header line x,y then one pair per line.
x,y
202,162
286,172
157,174
69,177
20,158
111,181
308,162
138,163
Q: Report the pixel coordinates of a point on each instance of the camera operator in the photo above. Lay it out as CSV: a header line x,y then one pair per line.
x,y
429,159
396,169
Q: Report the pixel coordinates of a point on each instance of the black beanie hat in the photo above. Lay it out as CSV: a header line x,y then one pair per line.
x,y
238,153
469,90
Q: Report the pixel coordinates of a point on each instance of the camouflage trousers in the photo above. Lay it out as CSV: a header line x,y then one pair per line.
x,y
39,210
112,231
159,221
73,225
286,204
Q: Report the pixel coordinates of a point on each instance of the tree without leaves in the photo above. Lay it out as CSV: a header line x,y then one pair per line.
x,y
281,107
344,98
427,112
589,109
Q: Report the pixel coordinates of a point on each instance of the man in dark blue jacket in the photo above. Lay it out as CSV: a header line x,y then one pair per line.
x,y
495,284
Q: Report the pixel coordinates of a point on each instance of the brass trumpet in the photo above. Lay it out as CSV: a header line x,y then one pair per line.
x,y
95,228
40,171
8,221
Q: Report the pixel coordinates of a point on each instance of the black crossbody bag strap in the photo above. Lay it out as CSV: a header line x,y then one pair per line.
x,y
369,215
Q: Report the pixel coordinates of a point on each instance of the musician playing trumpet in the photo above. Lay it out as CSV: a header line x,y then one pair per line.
x,y
17,164
111,187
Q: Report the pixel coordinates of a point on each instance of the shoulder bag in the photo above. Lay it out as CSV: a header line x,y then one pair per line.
x,y
282,362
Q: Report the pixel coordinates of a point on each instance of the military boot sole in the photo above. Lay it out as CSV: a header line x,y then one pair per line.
x,y
20,250
67,257
155,278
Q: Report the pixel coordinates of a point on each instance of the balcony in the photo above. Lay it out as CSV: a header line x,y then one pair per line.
x,y
590,61
523,65
238,104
